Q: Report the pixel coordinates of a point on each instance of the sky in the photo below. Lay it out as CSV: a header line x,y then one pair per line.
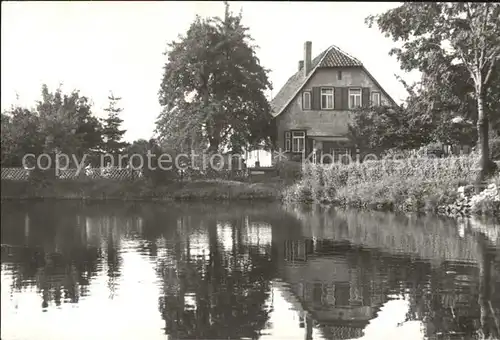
x,y
98,47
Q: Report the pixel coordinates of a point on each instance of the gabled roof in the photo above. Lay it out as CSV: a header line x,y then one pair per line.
x,y
331,57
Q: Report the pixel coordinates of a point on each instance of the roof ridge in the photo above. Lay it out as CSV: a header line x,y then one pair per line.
x,y
325,53
347,54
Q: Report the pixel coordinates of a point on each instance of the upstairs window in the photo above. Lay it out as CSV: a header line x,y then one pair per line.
x,y
376,98
327,98
306,100
354,98
298,141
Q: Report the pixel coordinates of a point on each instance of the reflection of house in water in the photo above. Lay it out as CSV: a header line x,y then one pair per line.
x,y
328,287
342,287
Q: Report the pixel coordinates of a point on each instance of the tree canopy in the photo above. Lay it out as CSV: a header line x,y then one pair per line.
x,y
59,123
456,46
213,88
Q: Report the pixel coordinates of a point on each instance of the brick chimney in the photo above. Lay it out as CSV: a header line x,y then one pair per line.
x,y
301,64
307,58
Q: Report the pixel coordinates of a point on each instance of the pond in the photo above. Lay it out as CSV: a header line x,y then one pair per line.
x,y
115,270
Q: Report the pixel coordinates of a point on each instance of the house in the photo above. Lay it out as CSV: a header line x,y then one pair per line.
x,y
312,109
334,290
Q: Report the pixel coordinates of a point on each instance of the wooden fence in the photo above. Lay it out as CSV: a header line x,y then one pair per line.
x,y
15,174
20,174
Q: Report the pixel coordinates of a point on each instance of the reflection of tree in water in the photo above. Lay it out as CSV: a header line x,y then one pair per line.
x,y
219,294
462,300
50,252
113,259
489,299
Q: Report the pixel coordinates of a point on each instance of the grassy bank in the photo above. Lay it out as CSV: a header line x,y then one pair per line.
x,y
141,190
414,184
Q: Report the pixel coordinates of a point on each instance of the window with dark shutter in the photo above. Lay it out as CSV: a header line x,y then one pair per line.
x,y
365,97
316,98
345,98
288,141
338,98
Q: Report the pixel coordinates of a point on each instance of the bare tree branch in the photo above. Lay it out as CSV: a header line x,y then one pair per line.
x,y
469,13
468,66
490,70
474,32
483,40
486,13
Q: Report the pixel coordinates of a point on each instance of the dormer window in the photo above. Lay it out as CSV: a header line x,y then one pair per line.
x,y
306,100
327,98
354,98
376,98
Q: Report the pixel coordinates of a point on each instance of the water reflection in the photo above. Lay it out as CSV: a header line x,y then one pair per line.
x,y
213,280
244,271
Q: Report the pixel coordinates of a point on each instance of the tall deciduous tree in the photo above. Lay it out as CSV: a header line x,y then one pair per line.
x,y
213,87
112,134
438,36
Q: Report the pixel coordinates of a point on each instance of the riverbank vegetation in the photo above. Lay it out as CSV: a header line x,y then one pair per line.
x,y
412,184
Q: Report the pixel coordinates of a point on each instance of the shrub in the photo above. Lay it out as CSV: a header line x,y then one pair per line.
x,y
298,193
289,171
487,202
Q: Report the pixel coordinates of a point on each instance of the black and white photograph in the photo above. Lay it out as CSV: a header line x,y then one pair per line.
x,y
250,170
